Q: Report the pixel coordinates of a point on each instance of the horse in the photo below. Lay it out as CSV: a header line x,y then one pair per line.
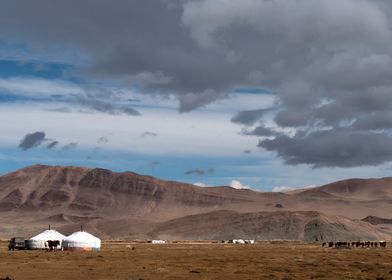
x,y
53,244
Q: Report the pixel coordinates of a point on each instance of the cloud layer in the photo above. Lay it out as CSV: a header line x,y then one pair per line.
x,y
327,62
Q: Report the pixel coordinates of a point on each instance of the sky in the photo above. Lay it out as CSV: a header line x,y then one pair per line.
x,y
262,94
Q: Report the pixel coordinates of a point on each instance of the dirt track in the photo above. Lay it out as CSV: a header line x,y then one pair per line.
x,y
120,260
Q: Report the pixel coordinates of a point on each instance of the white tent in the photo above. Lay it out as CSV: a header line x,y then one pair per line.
x,y
81,241
40,241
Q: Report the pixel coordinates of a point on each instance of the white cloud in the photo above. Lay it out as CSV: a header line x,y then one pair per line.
x,y
38,88
237,185
282,189
200,184
287,189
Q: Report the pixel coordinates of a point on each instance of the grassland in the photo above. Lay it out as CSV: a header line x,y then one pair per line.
x,y
123,260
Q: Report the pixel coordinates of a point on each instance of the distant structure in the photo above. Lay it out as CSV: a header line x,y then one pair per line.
x,y
242,241
40,241
81,241
157,241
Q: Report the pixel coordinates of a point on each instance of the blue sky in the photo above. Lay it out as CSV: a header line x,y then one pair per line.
x,y
211,94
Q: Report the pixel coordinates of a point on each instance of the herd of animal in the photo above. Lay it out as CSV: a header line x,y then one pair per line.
x,y
357,244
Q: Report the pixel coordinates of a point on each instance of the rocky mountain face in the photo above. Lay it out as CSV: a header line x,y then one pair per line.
x,y
129,205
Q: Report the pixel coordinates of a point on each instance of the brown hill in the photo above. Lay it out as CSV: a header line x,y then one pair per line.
x,y
377,220
307,226
131,205
359,189
99,192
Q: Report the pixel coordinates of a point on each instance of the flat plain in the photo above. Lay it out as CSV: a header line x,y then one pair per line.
x,y
265,260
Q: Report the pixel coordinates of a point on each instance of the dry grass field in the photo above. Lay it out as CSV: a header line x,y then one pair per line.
x,y
122,260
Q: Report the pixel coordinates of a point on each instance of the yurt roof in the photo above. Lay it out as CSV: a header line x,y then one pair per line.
x,y
49,234
82,236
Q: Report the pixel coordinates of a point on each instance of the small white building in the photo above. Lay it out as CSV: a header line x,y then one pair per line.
x,y
40,241
158,241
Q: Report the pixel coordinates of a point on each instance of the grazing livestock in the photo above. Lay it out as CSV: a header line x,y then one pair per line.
x,y
53,244
363,244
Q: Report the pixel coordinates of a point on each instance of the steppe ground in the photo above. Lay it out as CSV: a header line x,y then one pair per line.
x,y
267,260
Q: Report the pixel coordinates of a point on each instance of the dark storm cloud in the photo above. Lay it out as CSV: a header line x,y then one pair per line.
x,y
32,140
199,171
328,61
342,148
374,122
141,43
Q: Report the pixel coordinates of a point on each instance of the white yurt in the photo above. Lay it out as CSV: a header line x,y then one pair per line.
x,y
81,241
40,241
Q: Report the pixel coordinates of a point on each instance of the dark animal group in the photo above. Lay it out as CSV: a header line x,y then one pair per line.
x,y
52,244
358,244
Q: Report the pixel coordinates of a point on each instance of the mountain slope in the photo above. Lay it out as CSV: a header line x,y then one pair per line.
x,y
359,189
99,192
132,205
308,226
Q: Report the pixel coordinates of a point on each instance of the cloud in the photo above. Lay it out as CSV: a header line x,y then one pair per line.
x,y
200,184
333,147
260,130
148,134
247,151
287,189
249,117
52,144
103,140
282,189
200,172
70,146
32,140
101,100
237,185
93,97
328,62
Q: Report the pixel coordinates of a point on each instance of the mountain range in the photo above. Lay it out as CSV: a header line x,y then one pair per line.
x,y
132,206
